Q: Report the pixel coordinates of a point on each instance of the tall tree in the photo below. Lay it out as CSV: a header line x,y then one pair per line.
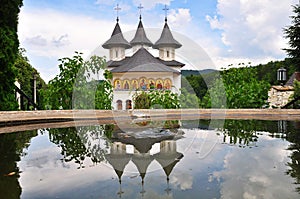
x,y
78,85
9,43
292,33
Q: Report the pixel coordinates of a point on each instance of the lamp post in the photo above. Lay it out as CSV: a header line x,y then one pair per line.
x,y
34,88
281,75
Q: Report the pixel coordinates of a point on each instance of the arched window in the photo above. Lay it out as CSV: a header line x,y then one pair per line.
x,y
119,105
117,53
128,104
168,53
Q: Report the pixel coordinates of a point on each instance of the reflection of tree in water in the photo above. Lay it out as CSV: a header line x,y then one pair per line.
x,y
293,136
12,147
244,133
241,132
78,143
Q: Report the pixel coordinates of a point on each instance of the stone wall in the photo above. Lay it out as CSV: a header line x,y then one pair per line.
x,y
279,96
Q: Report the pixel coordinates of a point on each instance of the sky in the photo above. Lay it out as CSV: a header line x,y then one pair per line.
x,y
229,31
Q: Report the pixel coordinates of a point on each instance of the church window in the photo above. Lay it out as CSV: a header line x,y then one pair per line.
x,y
117,53
128,104
168,53
119,105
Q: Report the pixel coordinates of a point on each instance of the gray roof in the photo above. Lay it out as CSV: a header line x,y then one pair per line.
x,y
140,37
116,39
171,63
295,76
112,63
166,39
143,61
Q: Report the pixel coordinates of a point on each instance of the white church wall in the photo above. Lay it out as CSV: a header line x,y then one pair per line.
x,y
124,94
117,53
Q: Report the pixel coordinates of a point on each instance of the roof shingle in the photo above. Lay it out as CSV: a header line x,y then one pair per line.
x,y
143,61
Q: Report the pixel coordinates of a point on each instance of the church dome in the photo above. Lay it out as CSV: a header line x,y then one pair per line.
x,y
117,39
140,37
166,39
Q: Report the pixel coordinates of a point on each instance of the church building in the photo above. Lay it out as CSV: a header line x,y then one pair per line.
x,y
142,71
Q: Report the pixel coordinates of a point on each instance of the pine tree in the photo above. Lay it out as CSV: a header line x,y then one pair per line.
x,y
292,33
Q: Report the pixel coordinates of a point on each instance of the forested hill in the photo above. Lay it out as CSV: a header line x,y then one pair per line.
x,y
266,72
245,86
197,72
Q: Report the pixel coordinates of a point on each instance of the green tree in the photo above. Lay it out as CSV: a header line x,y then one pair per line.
x,y
9,44
198,85
295,97
188,100
242,88
292,33
78,85
142,100
156,99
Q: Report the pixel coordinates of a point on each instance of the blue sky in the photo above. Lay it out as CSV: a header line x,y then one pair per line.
x,y
230,31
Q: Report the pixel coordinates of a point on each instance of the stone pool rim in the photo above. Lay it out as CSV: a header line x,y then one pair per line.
x,y
11,121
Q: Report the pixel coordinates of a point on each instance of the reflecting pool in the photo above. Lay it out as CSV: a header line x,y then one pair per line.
x,y
241,159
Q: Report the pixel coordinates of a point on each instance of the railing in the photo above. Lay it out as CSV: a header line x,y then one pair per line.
x,y
30,101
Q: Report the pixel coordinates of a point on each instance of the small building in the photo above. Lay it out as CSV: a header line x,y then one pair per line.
x,y
142,71
278,96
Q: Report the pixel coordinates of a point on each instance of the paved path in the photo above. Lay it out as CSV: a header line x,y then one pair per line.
x,y
28,120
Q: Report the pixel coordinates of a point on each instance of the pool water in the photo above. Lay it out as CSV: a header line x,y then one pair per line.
x,y
241,159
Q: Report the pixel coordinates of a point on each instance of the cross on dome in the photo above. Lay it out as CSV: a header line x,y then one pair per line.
x,y
140,7
117,8
166,11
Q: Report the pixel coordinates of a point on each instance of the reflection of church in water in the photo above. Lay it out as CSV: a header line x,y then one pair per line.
x,y
142,71
119,157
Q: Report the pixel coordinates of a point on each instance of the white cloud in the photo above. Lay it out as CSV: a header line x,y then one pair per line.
x,y
179,18
214,21
36,41
254,176
48,34
151,4
252,28
183,180
61,41
61,34
105,2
